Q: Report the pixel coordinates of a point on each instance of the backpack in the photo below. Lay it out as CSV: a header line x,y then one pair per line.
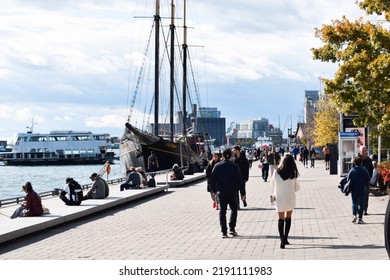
x,y
75,193
344,186
152,183
106,188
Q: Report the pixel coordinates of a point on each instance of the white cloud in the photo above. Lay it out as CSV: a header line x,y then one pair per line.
x,y
66,63
108,120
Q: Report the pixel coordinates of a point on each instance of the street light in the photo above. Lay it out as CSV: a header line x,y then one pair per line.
x,y
379,143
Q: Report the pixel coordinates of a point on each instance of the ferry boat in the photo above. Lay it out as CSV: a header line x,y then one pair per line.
x,y
62,147
263,142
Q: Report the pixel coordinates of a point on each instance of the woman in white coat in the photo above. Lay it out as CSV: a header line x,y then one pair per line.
x,y
285,183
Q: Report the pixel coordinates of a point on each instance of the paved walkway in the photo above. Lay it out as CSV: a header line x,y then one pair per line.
x,y
181,224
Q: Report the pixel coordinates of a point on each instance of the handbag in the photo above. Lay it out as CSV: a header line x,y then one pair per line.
x,y
45,210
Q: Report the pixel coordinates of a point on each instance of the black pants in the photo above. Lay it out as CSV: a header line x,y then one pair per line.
x,y
67,201
127,187
224,201
366,198
265,171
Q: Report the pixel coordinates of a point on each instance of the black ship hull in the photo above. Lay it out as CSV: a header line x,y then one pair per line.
x,y
136,146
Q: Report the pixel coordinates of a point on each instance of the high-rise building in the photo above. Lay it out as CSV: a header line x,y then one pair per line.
x,y
311,98
253,128
208,121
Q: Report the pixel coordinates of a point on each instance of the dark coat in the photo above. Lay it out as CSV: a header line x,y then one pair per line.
x,y
274,158
243,165
367,163
209,169
226,179
359,179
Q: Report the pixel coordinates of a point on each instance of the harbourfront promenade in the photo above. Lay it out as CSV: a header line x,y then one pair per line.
x,y
180,224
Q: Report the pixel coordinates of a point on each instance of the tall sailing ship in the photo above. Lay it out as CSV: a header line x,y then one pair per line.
x,y
169,147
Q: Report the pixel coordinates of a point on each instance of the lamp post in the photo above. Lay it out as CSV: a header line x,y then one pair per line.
x,y
379,143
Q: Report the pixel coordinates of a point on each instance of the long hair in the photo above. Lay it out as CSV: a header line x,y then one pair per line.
x,y
288,169
212,161
28,187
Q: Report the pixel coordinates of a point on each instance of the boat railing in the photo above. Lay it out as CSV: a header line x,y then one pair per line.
x,y
162,176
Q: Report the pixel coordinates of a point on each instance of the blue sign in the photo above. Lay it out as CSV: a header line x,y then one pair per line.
x,y
349,134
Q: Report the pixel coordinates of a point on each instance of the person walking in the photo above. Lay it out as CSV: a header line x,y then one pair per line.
x,y
367,163
250,157
295,151
265,169
305,156
243,164
273,160
226,182
285,183
209,169
358,178
313,156
326,152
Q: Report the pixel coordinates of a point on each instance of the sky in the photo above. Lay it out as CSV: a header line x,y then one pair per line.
x,y
68,64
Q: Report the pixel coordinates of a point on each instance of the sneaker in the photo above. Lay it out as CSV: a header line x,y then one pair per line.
x,y
224,235
245,204
233,233
354,219
360,221
365,213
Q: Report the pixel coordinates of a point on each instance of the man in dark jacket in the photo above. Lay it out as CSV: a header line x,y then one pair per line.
x,y
226,182
243,164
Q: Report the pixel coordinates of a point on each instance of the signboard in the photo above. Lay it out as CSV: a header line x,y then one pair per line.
x,y
349,134
361,137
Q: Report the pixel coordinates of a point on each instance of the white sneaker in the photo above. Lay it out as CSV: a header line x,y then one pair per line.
x,y
354,219
360,221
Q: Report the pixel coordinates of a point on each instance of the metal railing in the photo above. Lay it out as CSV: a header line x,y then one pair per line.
x,y
56,191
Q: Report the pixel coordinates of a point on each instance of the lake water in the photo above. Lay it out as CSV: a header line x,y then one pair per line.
x,y
46,178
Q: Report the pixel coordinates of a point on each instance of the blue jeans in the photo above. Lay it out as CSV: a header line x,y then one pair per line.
x,y
358,198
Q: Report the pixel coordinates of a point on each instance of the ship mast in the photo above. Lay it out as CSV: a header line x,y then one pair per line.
x,y
156,66
184,46
172,64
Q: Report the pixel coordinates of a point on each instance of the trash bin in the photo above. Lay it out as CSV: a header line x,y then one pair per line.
x,y
334,155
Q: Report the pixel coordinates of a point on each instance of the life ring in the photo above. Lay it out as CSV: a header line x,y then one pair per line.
x,y
108,168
